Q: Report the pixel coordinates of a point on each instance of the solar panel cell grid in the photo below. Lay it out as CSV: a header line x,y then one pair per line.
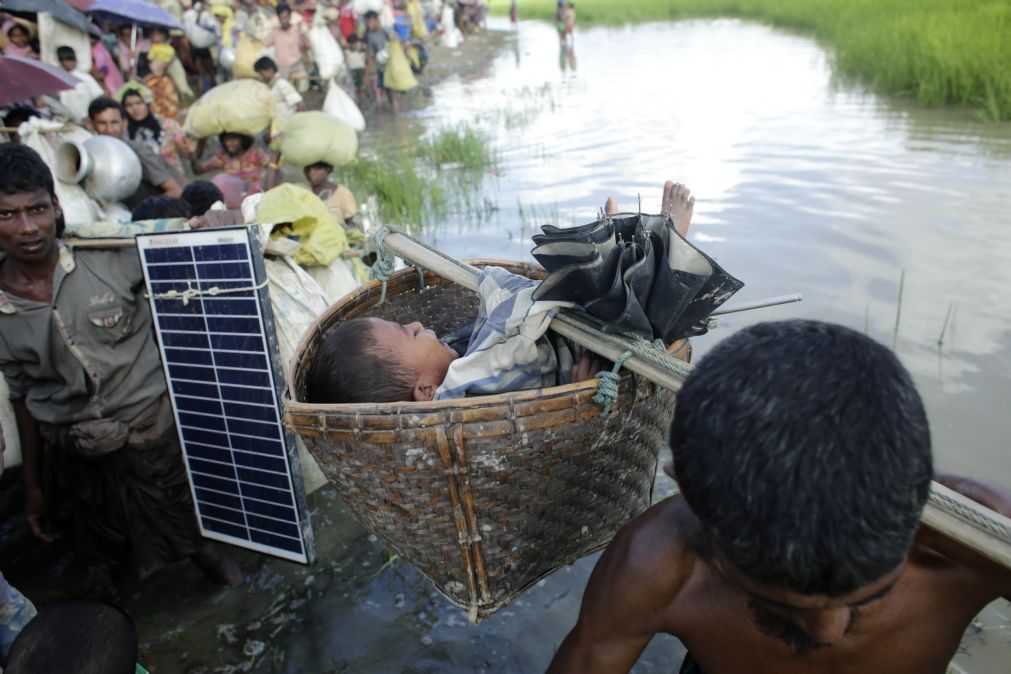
x,y
223,379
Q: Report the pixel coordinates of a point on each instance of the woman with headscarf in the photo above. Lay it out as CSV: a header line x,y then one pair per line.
x,y
161,135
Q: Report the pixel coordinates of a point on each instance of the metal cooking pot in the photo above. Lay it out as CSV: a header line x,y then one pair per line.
x,y
109,169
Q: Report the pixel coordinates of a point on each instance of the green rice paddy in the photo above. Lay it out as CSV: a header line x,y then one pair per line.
x,y
939,52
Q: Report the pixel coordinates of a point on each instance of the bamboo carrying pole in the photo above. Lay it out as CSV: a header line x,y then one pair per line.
x,y
948,512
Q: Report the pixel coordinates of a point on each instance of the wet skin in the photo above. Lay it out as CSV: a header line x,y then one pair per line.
x,y
27,237
651,580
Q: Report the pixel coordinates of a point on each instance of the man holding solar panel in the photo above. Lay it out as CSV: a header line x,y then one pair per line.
x,y
101,452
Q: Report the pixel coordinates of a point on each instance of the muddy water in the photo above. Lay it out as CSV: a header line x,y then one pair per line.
x,y
804,185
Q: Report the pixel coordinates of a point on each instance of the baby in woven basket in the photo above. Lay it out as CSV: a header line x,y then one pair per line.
x,y
509,347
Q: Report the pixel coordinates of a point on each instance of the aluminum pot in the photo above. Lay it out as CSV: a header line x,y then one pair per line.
x,y
105,167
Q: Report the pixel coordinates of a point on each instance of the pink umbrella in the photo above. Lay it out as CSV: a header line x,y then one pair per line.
x,y
24,78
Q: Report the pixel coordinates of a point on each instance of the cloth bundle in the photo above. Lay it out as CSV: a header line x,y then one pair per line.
x,y
635,273
240,106
311,137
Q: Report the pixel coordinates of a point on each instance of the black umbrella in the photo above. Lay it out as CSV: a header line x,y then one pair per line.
x,y
60,10
635,273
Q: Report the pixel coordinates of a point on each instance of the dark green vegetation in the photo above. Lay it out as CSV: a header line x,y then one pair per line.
x,y
940,52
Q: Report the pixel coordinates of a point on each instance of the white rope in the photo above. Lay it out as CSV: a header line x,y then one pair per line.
x,y
214,291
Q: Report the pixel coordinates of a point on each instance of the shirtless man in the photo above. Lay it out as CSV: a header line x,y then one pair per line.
x,y
803,456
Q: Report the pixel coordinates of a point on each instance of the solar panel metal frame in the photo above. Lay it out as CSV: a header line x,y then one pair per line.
x,y
203,239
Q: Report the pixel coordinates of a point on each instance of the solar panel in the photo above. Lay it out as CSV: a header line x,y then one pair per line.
x,y
219,348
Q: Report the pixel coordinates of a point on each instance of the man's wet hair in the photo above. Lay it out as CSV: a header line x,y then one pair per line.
x,y
101,104
22,170
803,449
155,208
349,368
201,195
86,637
265,63
65,53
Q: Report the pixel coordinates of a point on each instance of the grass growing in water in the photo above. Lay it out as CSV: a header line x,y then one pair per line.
x,y
410,188
937,51
461,146
405,196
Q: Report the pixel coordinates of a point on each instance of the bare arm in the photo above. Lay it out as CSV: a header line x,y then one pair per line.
x,y
626,600
31,453
171,188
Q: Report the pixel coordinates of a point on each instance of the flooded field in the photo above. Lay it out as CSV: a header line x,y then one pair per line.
x,y
804,184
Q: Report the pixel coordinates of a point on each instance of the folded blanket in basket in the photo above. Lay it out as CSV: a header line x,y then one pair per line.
x,y
508,349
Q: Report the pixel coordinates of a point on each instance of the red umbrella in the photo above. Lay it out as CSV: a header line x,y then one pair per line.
x,y
25,78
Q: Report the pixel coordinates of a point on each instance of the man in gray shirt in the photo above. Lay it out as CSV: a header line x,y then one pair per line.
x,y
97,433
158,178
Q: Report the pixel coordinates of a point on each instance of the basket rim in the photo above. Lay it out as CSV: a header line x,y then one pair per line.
x,y
293,406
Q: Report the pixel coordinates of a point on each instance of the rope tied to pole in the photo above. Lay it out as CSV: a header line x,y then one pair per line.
x,y
607,389
385,263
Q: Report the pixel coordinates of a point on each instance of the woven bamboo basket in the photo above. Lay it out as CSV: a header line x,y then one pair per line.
x,y
484,496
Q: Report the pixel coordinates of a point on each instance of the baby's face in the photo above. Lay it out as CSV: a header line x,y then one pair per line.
x,y
417,348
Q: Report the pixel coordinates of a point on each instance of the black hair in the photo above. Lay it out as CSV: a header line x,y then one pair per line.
x,y
201,195
90,637
348,368
283,7
320,164
19,114
265,63
18,27
247,140
65,53
371,14
154,208
101,104
131,92
353,38
22,170
803,449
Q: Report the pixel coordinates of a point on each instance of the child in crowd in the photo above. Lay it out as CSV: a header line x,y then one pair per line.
x,y
570,23
239,158
161,208
338,199
376,39
354,58
76,100
19,42
201,195
287,100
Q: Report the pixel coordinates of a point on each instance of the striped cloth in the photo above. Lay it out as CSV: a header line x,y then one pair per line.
x,y
508,349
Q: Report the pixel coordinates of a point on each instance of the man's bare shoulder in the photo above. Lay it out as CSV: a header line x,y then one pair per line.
x,y
654,553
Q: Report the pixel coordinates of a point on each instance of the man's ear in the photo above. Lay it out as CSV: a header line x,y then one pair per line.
x,y
423,392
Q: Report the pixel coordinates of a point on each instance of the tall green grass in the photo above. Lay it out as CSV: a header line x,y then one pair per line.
x,y
405,195
419,183
940,52
461,146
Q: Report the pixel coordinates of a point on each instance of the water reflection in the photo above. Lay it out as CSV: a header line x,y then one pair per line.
x,y
804,184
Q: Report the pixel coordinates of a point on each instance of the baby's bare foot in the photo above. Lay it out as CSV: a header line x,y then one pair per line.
x,y
611,206
678,203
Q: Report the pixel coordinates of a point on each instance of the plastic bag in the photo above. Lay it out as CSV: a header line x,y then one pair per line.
x,y
325,51
321,240
338,104
362,6
311,137
398,75
239,106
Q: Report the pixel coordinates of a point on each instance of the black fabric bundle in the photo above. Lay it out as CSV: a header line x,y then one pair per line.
x,y
635,273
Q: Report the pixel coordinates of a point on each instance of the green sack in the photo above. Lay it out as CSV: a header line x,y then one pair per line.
x,y
311,137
